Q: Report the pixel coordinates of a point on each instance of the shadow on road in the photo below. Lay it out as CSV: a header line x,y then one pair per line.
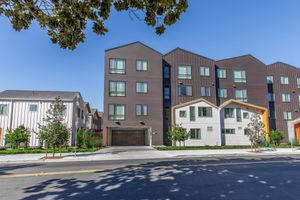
x,y
184,179
8,169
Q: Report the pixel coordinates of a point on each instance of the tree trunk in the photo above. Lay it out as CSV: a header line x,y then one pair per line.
x,y
53,152
46,150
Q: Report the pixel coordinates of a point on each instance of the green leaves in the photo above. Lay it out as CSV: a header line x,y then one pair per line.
x,y
65,20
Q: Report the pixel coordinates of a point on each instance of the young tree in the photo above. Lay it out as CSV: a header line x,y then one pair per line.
x,y
275,137
255,131
79,138
54,133
65,21
177,134
20,135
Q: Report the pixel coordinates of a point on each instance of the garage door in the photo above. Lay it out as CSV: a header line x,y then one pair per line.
x,y
128,137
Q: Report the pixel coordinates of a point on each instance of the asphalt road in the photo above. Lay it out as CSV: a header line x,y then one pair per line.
x,y
185,178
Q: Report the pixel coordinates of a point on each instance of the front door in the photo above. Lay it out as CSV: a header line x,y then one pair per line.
x,y
297,131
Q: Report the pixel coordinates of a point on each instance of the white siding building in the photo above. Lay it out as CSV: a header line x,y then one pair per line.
x,y
29,108
214,126
202,119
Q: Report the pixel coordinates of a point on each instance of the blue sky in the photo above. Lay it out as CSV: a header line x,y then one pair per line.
x,y
268,29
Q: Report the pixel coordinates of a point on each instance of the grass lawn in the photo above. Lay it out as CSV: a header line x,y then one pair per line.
x,y
39,150
171,148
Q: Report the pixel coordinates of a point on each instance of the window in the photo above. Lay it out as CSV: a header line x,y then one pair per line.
x,y
246,131
116,88
184,72
141,87
141,65
116,66
184,90
205,91
298,82
167,92
241,95
286,97
192,113
3,109
204,111
142,110
270,80
195,133
82,114
284,80
78,112
222,93
299,99
221,73
182,113
204,71
287,115
209,129
271,97
239,76
116,112
33,107
245,115
166,72
238,114
229,112
228,131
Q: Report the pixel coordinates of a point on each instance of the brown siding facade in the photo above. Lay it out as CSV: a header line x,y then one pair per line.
x,y
180,57
255,79
277,70
153,98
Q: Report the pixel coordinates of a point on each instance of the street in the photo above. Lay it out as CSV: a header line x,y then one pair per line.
x,y
184,178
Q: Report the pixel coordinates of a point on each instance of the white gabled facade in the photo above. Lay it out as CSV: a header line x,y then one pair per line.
x,y
224,126
17,112
208,127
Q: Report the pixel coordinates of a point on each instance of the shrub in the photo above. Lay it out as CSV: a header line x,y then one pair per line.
x,y
18,136
275,137
79,138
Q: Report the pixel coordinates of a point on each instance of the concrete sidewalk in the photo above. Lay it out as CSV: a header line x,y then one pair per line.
x,y
135,153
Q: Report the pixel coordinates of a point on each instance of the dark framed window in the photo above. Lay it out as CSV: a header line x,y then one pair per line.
x,y
246,115
142,65
166,72
117,66
287,115
184,90
166,92
182,113
298,82
204,112
184,72
222,93
284,80
195,133
221,73
239,76
238,114
205,91
33,107
204,71
192,113
228,131
116,112
286,97
117,88
142,87
3,109
241,95
270,80
229,112
142,109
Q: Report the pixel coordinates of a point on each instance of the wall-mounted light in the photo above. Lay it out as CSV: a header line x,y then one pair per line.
x,y
142,122
118,123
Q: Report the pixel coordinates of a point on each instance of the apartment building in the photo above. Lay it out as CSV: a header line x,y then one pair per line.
x,y
29,108
181,76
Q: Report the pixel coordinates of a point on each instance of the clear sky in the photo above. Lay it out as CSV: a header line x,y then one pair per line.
x,y
268,29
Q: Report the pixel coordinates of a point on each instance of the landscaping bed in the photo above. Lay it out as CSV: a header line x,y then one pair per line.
x,y
40,150
172,148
